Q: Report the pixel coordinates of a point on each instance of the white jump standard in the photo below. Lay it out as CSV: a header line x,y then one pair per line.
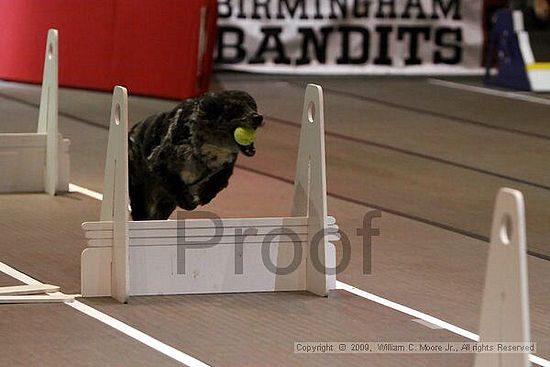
x,y
505,306
125,258
34,162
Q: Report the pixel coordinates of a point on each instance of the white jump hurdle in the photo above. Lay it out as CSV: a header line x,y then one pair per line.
x,y
34,162
125,258
505,307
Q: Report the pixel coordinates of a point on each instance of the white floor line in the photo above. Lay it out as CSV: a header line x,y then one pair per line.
x,y
407,310
112,322
422,316
85,191
138,335
491,92
382,301
8,270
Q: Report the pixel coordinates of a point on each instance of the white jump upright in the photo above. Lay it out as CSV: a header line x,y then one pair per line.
x,y
114,207
538,71
33,162
505,307
125,258
310,199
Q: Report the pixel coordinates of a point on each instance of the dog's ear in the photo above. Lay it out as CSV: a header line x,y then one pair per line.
x,y
211,106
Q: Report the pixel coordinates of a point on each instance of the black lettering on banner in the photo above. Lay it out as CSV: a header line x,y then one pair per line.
x,y
383,57
346,58
318,14
417,4
223,45
291,10
343,9
241,14
383,4
414,33
268,34
453,44
361,8
224,9
446,6
261,4
319,45
313,43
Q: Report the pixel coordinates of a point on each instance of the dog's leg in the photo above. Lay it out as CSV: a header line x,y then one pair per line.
x,y
163,210
137,178
150,205
138,203
214,185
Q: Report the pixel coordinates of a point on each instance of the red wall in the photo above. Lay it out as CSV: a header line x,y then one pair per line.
x,y
148,46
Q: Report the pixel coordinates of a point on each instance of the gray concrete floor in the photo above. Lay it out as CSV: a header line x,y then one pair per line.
x,y
431,158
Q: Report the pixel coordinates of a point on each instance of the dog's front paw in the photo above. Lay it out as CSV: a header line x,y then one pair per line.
x,y
188,205
185,198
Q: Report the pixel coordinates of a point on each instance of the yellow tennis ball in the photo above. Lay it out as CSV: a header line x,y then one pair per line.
x,y
244,135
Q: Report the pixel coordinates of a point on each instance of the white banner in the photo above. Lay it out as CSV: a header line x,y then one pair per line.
x,y
350,36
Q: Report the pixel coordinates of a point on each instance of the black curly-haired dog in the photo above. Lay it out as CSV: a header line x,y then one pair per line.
x,y
185,157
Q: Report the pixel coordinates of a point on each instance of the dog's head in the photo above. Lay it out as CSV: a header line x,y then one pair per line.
x,y
223,112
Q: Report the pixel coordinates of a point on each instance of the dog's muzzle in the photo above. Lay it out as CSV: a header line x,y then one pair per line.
x,y
257,120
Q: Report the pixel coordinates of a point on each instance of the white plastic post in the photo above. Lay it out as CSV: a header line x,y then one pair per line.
x,y
47,118
310,190
505,307
38,162
115,193
538,71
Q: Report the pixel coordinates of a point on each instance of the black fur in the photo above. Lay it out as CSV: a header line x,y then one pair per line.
x,y
185,157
